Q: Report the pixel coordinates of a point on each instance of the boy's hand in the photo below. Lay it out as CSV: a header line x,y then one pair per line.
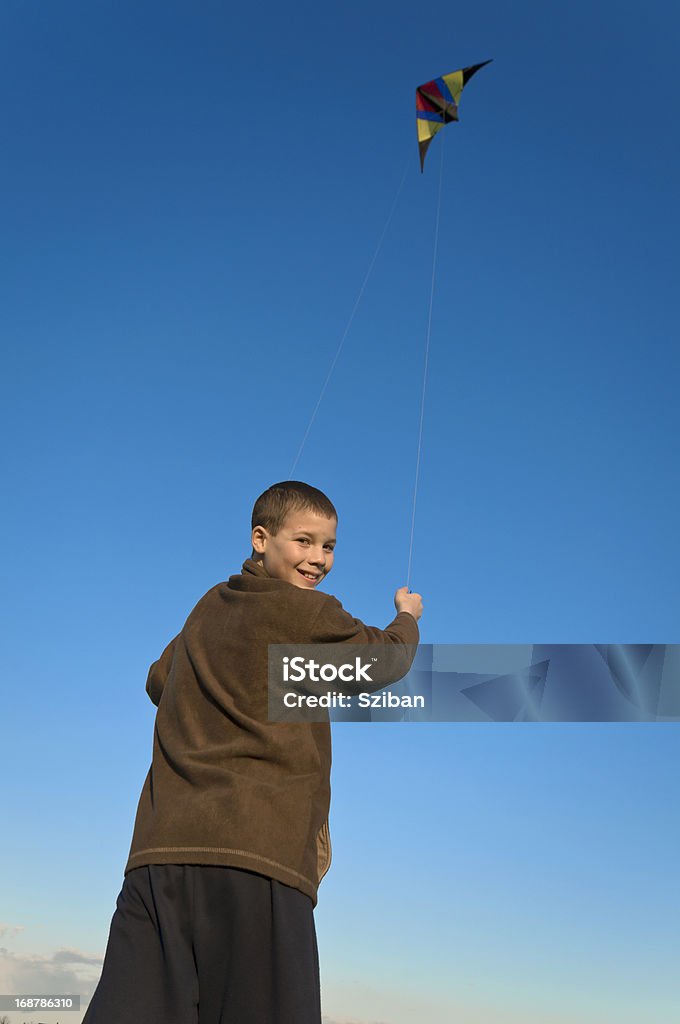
x,y
405,602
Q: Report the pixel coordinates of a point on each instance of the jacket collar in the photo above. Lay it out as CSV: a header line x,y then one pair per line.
x,y
254,577
253,568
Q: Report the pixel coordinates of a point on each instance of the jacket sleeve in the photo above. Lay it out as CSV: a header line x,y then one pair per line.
x,y
333,625
158,673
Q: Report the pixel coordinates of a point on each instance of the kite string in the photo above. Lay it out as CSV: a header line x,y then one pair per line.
x,y
351,318
427,353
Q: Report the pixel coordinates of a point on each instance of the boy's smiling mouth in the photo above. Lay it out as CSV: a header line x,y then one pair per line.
x,y
312,577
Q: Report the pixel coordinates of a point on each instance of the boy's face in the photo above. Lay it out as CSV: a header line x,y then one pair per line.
x,y
301,552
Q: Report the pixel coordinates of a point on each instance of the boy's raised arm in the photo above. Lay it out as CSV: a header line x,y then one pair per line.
x,y
334,625
158,673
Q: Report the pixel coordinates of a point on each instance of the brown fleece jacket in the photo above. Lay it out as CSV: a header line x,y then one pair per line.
x,y
225,786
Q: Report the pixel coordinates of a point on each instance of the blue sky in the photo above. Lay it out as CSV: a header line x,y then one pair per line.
x,y
192,197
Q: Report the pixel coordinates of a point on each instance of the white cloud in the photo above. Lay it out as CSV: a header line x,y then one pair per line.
x,y
74,956
10,930
64,972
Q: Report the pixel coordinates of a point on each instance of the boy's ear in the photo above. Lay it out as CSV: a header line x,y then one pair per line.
x,y
258,539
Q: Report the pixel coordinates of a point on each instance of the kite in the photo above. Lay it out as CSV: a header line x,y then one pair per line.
x,y
437,104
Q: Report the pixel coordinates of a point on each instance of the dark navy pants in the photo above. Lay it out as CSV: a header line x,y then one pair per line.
x,y
197,944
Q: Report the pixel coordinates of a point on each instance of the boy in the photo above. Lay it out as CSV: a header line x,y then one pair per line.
x,y
214,923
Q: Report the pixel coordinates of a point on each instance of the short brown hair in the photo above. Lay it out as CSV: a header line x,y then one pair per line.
x,y
272,507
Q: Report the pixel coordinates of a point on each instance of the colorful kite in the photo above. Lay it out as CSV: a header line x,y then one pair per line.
x,y
437,104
